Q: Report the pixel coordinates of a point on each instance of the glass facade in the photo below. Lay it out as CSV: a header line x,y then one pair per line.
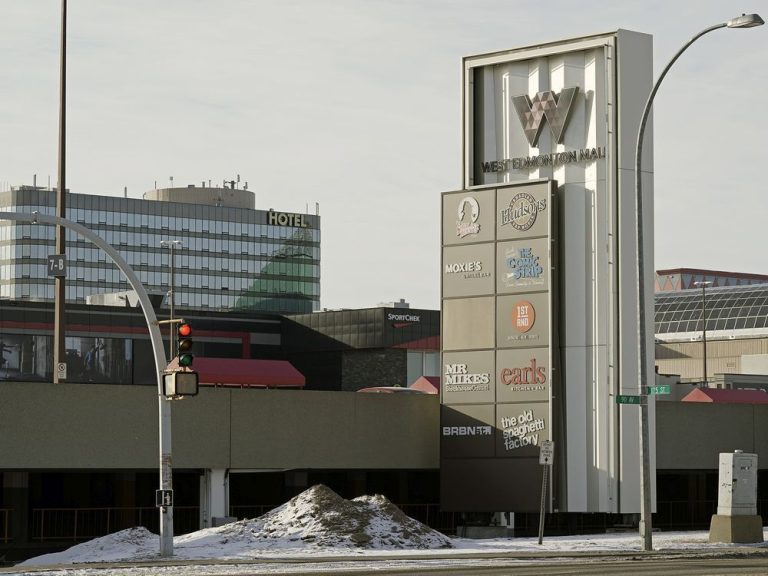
x,y
733,308
229,258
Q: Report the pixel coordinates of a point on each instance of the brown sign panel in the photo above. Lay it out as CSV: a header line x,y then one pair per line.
x,y
523,211
468,270
522,320
521,428
497,326
467,430
468,323
490,484
523,265
523,375
468,377
468,216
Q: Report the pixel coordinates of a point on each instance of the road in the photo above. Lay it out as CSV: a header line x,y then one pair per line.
x,y
748,564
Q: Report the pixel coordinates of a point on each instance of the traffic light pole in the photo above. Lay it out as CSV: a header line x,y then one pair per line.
x,y
156,338
171,245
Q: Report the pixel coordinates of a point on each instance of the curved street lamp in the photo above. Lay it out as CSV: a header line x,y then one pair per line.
x,y
743,21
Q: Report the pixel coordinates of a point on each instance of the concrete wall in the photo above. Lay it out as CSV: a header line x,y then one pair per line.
x,y
72,426
689,436
87,426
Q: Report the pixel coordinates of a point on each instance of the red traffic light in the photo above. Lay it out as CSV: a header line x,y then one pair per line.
x,y
185,345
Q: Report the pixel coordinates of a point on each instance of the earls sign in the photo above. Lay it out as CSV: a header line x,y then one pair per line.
x,y
556,110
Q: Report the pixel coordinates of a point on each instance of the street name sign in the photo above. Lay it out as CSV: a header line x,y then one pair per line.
x,y
661,389
629,399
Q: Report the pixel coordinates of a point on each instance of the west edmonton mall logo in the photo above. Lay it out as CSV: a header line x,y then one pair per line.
x,y
556,110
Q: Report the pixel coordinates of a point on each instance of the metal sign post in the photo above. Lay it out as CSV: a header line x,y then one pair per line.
x,y
546,455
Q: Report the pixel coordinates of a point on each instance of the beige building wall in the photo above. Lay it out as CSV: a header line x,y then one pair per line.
x,y
723,356
90,426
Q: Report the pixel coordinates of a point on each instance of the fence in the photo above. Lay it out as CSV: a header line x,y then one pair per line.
x,y
73,524
250,511
86,523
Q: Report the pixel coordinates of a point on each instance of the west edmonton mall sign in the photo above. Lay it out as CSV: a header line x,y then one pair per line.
x,y
539,310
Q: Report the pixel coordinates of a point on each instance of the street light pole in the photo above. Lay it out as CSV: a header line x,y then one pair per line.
x,y
704,285
156,339
172,245
744,21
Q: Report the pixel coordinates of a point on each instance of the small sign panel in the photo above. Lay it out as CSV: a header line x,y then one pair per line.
x,y
547,452
661,389
163,498
57,265
61,370
630,399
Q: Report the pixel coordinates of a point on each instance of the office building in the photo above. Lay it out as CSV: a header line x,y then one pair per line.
x,y
230,257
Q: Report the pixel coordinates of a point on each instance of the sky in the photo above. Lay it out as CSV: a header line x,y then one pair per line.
x,y
354,106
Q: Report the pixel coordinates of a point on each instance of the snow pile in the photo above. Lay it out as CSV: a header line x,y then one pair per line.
x,y
317,519
320,518
126,544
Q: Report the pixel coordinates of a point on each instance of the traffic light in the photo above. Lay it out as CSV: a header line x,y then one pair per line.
x,y
184,333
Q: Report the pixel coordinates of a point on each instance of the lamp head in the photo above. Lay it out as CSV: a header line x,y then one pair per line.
x,y
745,21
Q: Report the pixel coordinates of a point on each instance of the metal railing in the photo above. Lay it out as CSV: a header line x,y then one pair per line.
x,y
86,523
684,514
245,512
432,516
5,525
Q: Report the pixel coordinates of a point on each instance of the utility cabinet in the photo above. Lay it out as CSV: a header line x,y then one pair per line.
x,y
736,519
737,490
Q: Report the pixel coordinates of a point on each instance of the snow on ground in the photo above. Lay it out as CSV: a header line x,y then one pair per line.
x,y
320,524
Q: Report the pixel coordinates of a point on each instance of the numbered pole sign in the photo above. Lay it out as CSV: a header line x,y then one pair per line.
x,y
57,265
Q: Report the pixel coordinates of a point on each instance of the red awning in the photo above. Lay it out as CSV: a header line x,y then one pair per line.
x,y
726,396
245,373
428,384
